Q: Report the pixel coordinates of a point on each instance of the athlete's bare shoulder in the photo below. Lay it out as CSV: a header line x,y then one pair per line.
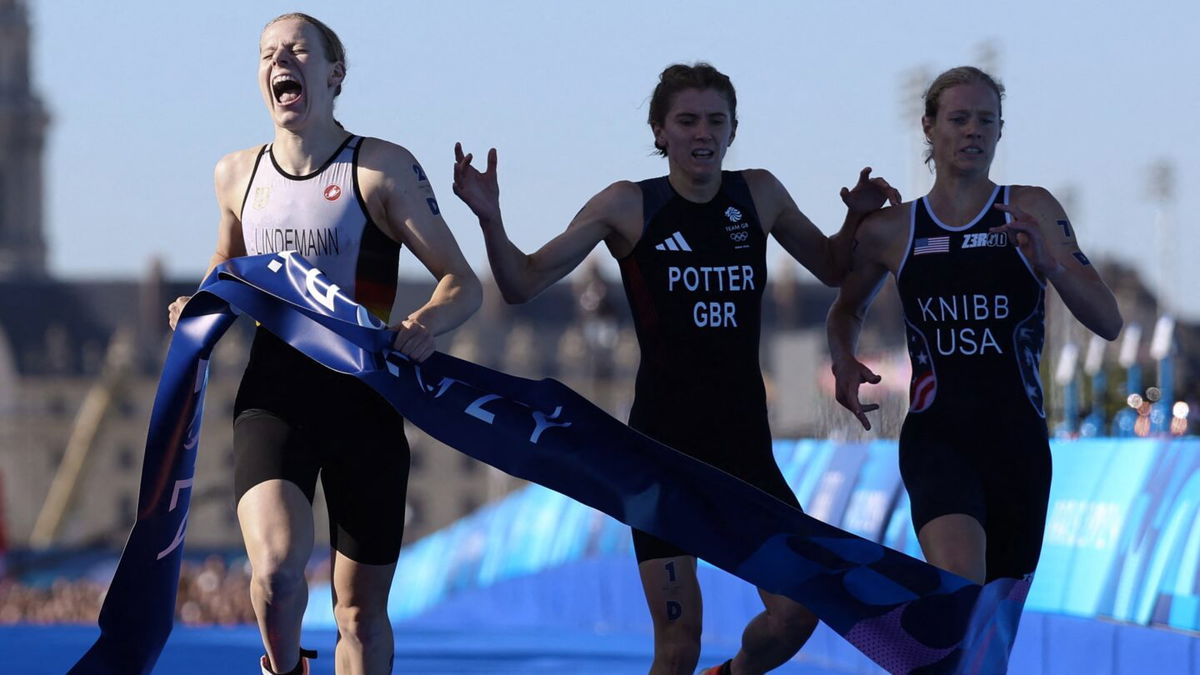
x,y
620,206
613,215
1032,198
623,196
380,160
236,166
394,186
883,235
768,191
231,177
757,177
763,178
885,226
381,154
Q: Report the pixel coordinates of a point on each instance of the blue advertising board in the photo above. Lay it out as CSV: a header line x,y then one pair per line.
x,y
1122,533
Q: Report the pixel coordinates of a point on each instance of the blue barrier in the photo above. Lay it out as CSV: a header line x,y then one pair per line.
x,y
1121,560
1122,536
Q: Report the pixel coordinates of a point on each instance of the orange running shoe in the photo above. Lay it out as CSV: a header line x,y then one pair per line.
x,y
723,669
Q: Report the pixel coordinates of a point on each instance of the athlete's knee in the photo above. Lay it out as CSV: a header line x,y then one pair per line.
x,y
274,577
677,643
961,561
956,543
363,625
791,618
957,555
676,654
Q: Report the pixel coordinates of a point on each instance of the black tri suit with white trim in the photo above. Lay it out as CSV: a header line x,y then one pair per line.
x,y
695,281
974,441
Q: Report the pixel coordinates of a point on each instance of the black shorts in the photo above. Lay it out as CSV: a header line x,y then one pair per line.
x,y
997,474
738,444
295,419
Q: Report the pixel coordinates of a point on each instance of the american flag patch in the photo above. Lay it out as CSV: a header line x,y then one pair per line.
x,y
931,245
922,392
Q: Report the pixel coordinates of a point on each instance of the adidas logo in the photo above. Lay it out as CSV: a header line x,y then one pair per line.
x,y
675,242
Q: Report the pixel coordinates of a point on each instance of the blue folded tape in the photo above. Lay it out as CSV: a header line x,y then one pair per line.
x,y
904,614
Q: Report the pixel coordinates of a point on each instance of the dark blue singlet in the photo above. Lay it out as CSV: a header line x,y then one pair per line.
x,y
974,441
695,281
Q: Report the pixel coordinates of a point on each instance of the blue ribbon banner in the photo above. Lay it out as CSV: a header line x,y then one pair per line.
x,y
904,614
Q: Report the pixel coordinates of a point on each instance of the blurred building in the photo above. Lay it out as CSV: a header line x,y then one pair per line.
x,y
23,122
60,343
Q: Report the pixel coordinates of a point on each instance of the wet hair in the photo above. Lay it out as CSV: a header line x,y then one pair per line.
x,y
677,78
953,78
335,52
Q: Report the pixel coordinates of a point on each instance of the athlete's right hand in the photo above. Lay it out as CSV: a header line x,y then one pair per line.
x,y
848,375
479,191
413,340
175,308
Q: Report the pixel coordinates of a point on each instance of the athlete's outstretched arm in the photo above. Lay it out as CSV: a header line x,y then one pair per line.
x,y
522,276
828,258
400,198
1040,227
844,323
229,180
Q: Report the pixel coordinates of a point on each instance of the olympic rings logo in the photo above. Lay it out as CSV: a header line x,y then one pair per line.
x,y
739,236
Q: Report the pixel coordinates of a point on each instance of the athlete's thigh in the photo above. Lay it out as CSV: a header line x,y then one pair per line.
x,y
672,591
365,478
274,476
267,445
956,542
277,525
785,607
1018,496
940,473
361,586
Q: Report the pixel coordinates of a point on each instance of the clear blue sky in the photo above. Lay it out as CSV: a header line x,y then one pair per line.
x,y
146,96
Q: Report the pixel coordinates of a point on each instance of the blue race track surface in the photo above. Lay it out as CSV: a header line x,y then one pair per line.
x,y
1048,644
45,650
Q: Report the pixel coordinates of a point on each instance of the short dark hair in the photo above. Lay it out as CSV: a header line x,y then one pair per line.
x,y
677,78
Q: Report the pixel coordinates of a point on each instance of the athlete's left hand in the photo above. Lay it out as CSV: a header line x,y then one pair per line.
x,y
1026,232
480,191
413,340
869,194
848,376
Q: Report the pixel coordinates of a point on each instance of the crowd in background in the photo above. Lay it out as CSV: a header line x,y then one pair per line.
x,y
211,592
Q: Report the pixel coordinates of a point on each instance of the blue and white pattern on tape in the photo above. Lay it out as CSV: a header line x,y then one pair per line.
x,y
904,614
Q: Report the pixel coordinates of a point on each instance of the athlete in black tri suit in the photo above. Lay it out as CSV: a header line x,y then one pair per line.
x,y
971,260
346,204
691,249
695,281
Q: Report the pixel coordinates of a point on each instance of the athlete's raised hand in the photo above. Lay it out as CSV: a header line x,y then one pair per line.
x,y
413,340
869,194
175,308
848,376
1026,232
479,191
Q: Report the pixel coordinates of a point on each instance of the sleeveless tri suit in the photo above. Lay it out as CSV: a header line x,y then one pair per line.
x,y
695,281
974,441
295,419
